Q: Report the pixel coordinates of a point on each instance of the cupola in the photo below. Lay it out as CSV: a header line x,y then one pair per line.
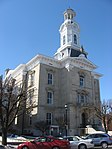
x,y
69,37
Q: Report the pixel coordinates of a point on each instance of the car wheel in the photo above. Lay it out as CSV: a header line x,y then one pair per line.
x,y
104,145
55,147
25,147
82,146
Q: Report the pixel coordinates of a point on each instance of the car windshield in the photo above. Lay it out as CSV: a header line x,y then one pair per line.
x,y
79,138
72,138
89,136
43,139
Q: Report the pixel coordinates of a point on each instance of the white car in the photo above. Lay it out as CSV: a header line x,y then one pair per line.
x,y
14,137
78,143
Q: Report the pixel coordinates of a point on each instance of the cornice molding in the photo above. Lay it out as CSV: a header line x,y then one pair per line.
x,y
96,75
41,59
20,69
68,45
69,63
80,62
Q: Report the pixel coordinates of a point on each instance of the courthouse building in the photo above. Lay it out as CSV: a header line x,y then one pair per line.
x,y
65,87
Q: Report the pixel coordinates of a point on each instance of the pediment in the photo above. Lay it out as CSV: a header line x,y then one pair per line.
x,y
85,63
80,62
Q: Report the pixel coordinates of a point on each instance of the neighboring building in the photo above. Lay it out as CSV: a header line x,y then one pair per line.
x,y
67,79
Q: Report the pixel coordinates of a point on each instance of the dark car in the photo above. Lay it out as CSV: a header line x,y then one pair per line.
x,y
45,143
100,139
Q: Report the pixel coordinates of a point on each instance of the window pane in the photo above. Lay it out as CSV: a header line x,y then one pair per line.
x,y
63,39
75,39
81,81
49,97
50,78
31,79
30,96
49,118
82,98
68,16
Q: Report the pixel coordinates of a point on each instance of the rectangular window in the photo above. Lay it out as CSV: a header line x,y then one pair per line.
x,y
49,97
50,78
31,94
81,81
49,118
31,79
82,97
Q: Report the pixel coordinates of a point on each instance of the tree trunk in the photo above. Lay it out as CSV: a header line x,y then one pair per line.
x,y
4,136
105,125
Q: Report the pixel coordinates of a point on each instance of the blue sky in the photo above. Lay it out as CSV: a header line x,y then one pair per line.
x,y
31,27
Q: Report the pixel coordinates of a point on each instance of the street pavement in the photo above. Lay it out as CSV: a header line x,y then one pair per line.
x,y
15,147
109,147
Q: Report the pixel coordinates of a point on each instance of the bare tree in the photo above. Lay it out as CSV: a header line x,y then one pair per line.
x,y
61,122
13,101
42,126
104,113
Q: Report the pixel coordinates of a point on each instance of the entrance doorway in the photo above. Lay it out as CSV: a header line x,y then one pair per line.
x,y
84,120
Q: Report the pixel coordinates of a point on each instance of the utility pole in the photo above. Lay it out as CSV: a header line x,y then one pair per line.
x,y
66,123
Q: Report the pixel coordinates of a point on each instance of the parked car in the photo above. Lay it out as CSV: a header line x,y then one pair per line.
x,y
45,143
15,139
100,139
78,143
14,136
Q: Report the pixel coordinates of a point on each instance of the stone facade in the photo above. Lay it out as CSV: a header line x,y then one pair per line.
x,y
67,79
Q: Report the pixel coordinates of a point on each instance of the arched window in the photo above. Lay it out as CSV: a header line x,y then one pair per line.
x,y
63,39
71,16
75,39
68,15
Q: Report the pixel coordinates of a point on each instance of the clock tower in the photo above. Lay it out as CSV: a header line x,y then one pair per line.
x,y
69,37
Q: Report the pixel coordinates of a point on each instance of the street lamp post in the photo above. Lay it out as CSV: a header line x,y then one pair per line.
x,y
66,126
